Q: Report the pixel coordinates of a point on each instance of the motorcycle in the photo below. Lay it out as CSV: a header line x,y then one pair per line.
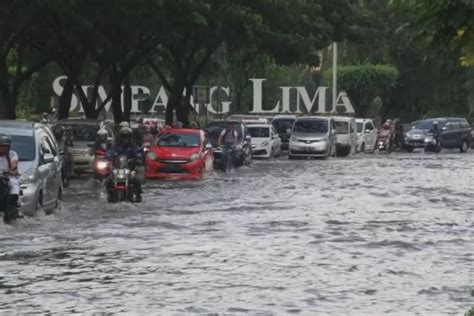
x,y
432,144
121,189
101,165
383,145
6,207
227,159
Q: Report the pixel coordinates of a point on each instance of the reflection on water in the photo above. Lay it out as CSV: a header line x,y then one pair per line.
x,y
367,235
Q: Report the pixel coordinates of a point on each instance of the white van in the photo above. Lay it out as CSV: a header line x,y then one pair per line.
x,y
367,135
346,133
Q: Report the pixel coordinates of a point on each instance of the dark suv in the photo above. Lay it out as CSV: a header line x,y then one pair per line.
x,y
284,125
455,133
243,154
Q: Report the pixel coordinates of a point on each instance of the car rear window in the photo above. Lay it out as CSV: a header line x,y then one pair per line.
x,y
259,132
282,125
84,133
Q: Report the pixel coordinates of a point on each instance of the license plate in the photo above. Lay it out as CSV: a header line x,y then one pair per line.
x,y
308,150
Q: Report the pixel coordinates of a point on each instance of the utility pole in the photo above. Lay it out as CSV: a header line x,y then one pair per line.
x,y
334,75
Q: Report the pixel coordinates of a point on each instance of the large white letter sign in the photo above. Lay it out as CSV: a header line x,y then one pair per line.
x,y
303,96
58,89
161,100
257,98
344,101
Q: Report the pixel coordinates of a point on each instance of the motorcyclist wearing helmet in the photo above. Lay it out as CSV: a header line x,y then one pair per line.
x,y
386,131
398,131
436,131
68,139
58,132
9,165
125,147
228,139
102,141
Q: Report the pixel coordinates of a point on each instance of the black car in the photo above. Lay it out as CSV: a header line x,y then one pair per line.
x,y
455,133
243,154
284,124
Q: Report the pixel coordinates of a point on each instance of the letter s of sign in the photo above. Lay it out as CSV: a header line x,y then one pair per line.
x,y
58,89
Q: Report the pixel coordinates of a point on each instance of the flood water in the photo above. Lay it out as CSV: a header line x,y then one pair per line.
x,y
368,235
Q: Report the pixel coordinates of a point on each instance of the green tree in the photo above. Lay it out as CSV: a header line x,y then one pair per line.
x,y
21,32
365,82
448,24
287,31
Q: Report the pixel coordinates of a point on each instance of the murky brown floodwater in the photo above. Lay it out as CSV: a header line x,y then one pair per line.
x,y
366,235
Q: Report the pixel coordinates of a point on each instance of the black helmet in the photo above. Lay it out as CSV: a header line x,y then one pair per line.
x,y
5,140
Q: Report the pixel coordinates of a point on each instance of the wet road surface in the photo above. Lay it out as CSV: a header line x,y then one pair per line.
x,y
364,235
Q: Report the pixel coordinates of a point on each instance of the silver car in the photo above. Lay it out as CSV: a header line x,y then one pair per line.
x,y
85,133
39,165
313,136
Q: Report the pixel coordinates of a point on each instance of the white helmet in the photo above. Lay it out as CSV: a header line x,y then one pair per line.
x,y
102,131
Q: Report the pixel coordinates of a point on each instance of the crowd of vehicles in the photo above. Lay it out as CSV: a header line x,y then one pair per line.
x,y
47,161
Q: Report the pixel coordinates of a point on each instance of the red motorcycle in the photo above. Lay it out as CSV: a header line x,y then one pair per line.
x,y
101,165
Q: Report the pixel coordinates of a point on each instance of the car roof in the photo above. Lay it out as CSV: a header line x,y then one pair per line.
x,y
309,118
260,125
343,118
284,117
18,124
20,128
74,121
182,131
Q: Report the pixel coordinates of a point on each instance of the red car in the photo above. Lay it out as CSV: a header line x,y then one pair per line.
x,y
179,154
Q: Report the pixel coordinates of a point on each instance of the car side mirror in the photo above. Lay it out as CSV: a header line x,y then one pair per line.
x,y
248,138
48,158
208,146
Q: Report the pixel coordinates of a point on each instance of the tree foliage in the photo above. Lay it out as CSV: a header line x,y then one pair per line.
x,y
365,82
447,23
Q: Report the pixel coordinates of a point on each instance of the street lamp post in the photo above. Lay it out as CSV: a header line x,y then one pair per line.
x,y
334,75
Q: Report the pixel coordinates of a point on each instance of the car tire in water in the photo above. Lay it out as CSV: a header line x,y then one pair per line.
x,y
464,146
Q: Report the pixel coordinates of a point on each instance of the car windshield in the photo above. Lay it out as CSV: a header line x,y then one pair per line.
x,y
342,128
360,127
84,133
24,146
178,140
426,125
259,132
282,125
313,127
